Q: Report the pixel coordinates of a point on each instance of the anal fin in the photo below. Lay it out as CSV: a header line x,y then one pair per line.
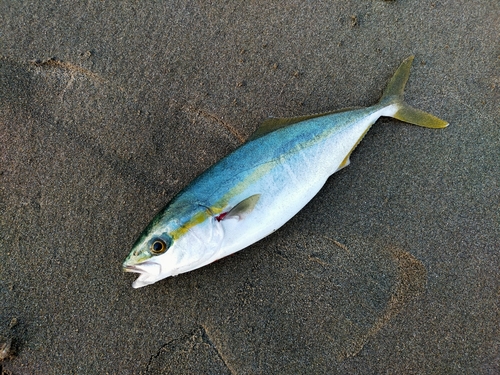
x,y
344,163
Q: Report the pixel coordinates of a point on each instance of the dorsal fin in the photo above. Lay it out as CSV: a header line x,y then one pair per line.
x,y
274,123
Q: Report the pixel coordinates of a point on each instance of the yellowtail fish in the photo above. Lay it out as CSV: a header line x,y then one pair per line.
x,y
261,185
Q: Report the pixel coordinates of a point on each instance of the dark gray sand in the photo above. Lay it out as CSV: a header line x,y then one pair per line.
x,y
106,111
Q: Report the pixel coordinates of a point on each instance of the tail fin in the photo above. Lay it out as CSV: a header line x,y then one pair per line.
x,y
393,94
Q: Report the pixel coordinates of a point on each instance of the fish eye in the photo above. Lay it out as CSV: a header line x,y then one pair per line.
x,y
158,246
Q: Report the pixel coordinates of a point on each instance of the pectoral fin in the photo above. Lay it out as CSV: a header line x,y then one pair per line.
x,y
241,209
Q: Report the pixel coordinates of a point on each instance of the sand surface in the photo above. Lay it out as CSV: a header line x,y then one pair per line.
x,y
107,109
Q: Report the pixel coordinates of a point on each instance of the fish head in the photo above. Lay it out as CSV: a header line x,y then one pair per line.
x,y
171,245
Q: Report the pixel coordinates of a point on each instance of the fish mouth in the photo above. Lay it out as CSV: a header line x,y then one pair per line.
x,y
149,273
146,268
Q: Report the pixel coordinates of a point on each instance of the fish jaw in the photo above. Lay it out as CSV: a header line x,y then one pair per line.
x,y
150,268
149,272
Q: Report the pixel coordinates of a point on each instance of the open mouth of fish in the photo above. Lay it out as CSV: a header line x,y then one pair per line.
x,y
146,269
149,272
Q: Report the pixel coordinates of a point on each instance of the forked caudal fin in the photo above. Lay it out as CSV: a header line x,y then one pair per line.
x,y
393,94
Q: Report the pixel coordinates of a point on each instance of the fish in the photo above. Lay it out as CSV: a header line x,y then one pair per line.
x,y
261,185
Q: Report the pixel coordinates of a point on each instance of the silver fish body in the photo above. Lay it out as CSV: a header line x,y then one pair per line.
x,y
261,185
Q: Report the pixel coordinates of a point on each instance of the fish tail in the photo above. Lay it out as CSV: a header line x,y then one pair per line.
x,y
394,93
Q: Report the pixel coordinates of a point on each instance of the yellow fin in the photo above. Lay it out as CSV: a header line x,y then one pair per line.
x,y
393,94
417,117
271,124
347,159
345,162
243,208
396,86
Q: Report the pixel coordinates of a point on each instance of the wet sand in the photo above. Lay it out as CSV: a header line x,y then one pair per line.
x,y
107,111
